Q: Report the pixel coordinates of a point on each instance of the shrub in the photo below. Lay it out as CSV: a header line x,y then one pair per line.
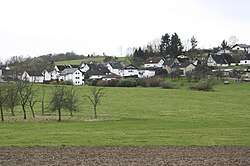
x,y
150,82
67,82
127,83
204,85
93,83
102,83
169,85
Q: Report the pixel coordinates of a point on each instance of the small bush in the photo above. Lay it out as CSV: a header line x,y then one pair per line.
x,y
169,85
204,85
127,83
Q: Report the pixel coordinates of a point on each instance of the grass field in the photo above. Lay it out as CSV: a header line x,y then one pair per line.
x,y
94,59
141,117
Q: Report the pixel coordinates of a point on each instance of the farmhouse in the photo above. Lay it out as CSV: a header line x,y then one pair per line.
x,y
146,73
57,70
154,62
130,71
184,67
169,63
33,76
73,75
243,47
220,60
115,67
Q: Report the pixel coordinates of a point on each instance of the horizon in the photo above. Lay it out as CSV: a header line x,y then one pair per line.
x,y
35,28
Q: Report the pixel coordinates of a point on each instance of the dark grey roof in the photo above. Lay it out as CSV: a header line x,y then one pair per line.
x,y
183,60
92,72
223,59
153,60
116,65
34,73
62,67
130,66
242,45
169,61
245,57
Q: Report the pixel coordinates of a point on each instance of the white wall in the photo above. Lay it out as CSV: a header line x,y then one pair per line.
x,y
146,73
244,62
130,72
154,65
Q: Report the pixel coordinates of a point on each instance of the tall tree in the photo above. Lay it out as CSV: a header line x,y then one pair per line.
x,y
3,98
176,46
57,100
193,43
95,98
25,91
165,45
70,101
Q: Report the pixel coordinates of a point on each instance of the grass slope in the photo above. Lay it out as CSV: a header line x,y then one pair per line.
x,y
141,117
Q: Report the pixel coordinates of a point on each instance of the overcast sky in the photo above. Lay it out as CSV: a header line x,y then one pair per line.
x,y
38,27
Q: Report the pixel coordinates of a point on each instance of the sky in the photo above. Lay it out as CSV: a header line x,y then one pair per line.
x,y
39,27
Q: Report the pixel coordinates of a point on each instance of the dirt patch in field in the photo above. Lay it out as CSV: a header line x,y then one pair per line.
x,y
125,156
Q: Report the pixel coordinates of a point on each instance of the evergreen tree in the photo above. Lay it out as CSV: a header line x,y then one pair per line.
x,y
165,45
176,46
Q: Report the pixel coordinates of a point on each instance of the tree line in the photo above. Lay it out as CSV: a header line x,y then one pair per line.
x,y
27,96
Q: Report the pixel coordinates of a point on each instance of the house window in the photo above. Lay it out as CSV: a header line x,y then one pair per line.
x,y
77,78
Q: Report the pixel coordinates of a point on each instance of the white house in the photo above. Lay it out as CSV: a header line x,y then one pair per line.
x,y
243,47
245,60
130,71
154,62
55,74
115,67
72,74
32,77
146,73
220,60
46,75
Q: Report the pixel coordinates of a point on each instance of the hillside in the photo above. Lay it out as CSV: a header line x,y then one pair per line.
x,y
91,59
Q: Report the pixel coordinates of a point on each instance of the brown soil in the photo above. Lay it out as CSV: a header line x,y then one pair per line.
x,y
125,156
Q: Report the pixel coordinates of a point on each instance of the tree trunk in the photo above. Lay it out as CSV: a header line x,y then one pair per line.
x,y
59,115
42,108
32,110
95,112
71,113
12,111
1,109
24,112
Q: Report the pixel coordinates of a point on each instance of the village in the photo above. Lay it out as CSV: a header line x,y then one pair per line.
x,y
222,62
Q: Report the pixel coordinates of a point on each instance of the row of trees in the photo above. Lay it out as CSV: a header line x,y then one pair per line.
x,y
26,95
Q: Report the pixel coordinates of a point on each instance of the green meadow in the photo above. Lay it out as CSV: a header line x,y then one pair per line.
x,y
139,117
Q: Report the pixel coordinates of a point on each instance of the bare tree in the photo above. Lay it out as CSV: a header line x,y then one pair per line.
x,y
57,100
95,98
71,100
25,92
13,97
3,98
